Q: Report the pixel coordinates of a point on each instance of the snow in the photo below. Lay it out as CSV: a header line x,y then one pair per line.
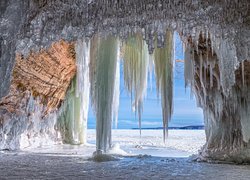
x,y
180,143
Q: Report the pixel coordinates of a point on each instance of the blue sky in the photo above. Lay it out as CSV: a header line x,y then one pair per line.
x,y
185,111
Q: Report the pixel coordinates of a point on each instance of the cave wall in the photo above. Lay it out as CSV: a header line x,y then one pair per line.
x,y
226,113
38,86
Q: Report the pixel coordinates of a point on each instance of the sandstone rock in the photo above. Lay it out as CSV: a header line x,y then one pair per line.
x,y
38,86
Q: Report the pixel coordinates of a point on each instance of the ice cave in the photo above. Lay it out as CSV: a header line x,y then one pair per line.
x,y
58,58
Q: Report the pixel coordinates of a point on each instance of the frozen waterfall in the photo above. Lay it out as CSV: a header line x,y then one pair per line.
x,y
104,57
74,112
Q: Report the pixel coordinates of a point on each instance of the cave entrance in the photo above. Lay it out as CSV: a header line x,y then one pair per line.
x,y
186,134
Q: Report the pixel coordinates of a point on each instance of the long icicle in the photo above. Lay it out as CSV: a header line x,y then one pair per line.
x,y
116,99
74,111
163,60
103,61
136,63
83,87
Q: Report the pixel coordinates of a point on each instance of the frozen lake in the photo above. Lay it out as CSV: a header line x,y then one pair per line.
x,y
168,161
180,143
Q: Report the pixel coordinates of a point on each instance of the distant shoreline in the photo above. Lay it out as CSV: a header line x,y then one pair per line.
x,y
198,127
171,128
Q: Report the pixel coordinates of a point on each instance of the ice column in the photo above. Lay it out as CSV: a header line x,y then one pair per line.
x,y
104,53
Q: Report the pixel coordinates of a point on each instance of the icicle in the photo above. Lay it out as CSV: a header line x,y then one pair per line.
x,y
69,112
83,87
103,71
226,52
74,112
243,73
150,70
136,62
116,99
211,75
188,68
202,80
163,60
201,69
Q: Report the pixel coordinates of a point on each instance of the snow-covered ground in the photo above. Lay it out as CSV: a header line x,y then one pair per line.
x,y
168,161
180,143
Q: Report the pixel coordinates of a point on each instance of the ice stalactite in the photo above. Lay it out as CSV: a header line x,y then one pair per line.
x,y
228,62
116,99
163,61
70,115
104,53
136,63
74,112
189,66
83,86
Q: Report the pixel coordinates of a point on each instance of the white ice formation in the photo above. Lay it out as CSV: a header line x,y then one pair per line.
x,y
163,60
74,111
136,61
34,130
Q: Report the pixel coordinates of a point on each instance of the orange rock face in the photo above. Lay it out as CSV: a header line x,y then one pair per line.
x,y
46,75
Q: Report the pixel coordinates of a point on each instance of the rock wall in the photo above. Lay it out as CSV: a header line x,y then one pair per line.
x,y
226,114
38,87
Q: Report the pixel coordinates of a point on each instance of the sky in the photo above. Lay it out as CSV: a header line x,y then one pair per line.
x,y
186,113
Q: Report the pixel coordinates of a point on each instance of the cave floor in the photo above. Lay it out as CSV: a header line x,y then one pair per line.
x,y
24,165
71,162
